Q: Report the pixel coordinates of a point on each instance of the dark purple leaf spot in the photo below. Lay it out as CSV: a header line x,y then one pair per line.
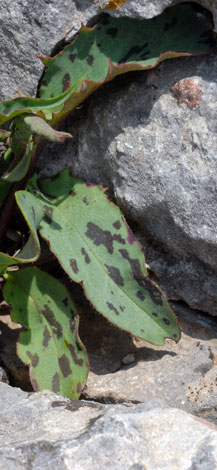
x,y
117,225
86,257
66,82
72,325
85,201
78,362
48,214
135,267
56,326
140,295
141,280
112,32
74,266
46,337
33,358
99,236
131,238
33,213
175,336
90,59
145,56
56,383
90,185
112,307
102,237
66,302
115,274
154,293
79,388
119,239
78,346
143,331
20,310
72,57
155,314
121,307
65,365
166,321
133,53
72,192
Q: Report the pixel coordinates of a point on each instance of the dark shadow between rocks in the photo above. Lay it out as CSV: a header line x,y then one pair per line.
x,y
17,371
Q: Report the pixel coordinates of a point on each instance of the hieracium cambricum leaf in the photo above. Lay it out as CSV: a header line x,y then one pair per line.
x,y
112,47
118,45
93,244
50,344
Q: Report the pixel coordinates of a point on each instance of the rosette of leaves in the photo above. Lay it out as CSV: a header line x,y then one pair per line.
x,y
98,252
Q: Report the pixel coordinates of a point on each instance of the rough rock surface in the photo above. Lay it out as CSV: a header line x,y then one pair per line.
x,y
30,27
41,431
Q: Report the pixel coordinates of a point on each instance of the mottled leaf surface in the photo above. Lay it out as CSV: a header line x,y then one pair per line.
x,y
41,107
113,47
33,212
50,344
95,247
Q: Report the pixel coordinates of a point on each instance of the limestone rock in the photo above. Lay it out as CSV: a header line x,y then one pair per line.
x,y
41,431
29,28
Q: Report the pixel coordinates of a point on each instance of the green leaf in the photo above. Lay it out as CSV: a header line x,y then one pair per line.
x,y
94,246
41,128
50,344
33,212
20,170
119,45
44,108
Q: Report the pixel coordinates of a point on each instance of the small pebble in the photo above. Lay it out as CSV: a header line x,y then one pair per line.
x,y
128,359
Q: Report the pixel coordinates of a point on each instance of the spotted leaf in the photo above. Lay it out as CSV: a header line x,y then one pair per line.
x,y
112,47
118,45
96,248
49,344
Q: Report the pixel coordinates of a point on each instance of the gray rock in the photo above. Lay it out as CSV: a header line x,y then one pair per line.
x,y
29,28
152,139
42,430
183,375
